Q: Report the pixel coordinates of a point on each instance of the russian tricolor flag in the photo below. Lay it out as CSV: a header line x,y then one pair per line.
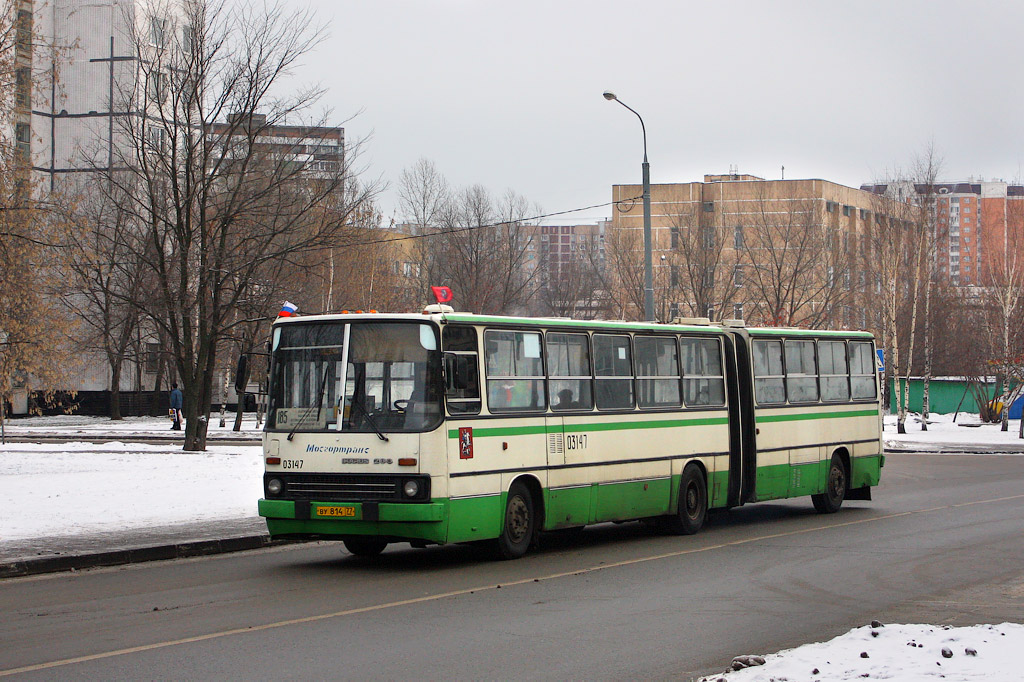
x,y
288,310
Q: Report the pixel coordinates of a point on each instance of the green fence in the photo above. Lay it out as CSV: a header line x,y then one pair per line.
x,y
943,396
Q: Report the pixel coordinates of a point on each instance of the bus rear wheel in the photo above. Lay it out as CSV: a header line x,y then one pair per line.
x,y
519,525
365,546
831,500
693,504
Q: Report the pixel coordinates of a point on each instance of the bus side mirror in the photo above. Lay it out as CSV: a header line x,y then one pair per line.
x,y
242,374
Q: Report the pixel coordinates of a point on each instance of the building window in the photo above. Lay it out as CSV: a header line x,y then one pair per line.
x,y
737,275
737,238
847,210
708,237
23,86
709,207
830,206
674,275
674,234
737,311
157,31
152,358
157,86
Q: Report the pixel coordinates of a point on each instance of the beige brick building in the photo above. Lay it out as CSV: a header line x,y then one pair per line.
x,y
738,246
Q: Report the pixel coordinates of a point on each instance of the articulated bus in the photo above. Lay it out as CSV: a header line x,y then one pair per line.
x,y
445,427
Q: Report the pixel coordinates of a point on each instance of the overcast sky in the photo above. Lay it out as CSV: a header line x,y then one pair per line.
x,y
508,94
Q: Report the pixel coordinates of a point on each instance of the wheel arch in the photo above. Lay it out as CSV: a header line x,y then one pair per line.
x,y
844,457
532,484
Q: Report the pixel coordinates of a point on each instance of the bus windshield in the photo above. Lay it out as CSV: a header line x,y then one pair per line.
x,y
391,373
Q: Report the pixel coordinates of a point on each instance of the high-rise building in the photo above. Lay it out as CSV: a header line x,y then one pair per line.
x,y
977,223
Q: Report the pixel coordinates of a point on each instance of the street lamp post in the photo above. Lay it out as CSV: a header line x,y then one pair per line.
x,y
648,267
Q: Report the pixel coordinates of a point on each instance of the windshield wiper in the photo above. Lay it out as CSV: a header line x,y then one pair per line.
x,y
376,429
318,406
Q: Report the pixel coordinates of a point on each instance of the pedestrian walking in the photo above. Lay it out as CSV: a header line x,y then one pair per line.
x,y
177,401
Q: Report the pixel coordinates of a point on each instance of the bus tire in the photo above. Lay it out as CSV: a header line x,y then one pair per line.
x,y
519,524
365,546
831,500
693,504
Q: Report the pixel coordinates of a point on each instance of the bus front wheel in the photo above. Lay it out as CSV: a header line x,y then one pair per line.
x,y
693,504
831,500
519,525
365,546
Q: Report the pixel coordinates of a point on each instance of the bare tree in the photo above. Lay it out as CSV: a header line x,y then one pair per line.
x,y
571,285
798,259
102,275
623,274
216,194
480,249
927,167
422,195
898,251
706,274
1003,281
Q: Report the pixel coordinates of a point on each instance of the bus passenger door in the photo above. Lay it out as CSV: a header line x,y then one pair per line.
x,y
742,433
568,502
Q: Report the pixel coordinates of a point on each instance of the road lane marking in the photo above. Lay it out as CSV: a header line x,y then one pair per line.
x,y
470,590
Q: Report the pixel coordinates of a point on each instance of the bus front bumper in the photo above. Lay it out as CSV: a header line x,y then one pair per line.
x,y
396,520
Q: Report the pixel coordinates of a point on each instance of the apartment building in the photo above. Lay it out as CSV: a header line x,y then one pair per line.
x,y
978,225
740,246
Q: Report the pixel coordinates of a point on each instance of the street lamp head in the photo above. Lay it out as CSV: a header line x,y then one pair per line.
x,y
609,95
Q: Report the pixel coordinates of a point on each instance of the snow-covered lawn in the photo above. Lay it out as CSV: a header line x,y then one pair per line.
x,y
967,430
54,489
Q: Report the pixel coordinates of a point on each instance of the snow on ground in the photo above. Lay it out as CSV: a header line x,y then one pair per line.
x,y
967,430
83,488
907,653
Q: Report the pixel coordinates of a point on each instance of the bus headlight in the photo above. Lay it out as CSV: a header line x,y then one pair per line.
x,y
411,488
274,486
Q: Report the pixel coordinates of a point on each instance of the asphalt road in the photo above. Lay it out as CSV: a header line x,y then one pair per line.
x,y
942,543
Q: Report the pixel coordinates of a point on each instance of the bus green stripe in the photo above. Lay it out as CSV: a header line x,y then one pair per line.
x,y
590,427
815,415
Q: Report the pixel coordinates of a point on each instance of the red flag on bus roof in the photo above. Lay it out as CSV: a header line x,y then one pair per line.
x,y
442,294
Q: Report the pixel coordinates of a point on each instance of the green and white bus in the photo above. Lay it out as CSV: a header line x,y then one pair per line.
x,y
448,427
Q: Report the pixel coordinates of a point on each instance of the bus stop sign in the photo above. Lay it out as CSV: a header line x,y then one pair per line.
x,y
880,362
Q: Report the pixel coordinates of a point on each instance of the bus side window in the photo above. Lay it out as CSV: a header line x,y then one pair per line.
x,y
657,371
835,372
801,371
515,371
703,380
614,369
461,370
769,381
862,370
569,377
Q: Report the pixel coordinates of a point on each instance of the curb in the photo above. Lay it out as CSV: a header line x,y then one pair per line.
x,y
74,562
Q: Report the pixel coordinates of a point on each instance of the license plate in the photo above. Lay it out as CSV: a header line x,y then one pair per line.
x,y
336,511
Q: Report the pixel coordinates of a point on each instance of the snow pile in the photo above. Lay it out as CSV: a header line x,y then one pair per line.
x,y
908,653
